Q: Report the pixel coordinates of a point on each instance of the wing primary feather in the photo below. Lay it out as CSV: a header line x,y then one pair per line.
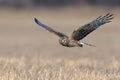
x,y
106,14
99,17
110,18
83,31
108,21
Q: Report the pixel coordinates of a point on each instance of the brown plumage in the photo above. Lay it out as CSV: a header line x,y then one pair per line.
x,y
80,33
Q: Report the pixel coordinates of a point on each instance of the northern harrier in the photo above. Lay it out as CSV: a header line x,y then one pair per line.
x,y
80,33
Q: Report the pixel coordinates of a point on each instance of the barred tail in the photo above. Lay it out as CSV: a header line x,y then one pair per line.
x,y
83,43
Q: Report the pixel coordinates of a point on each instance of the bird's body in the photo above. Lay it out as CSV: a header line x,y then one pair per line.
x,y
69,42
80,33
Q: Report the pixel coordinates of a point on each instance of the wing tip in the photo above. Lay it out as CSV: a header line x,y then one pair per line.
x,y
107,18
36,20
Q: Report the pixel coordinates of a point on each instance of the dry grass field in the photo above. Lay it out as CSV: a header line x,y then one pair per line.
x,y
37,68
28,52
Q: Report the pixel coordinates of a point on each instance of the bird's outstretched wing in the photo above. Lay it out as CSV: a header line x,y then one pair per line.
x,y
49,28
83,31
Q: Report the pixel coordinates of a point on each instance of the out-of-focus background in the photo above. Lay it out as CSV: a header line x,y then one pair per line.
x,y
20,36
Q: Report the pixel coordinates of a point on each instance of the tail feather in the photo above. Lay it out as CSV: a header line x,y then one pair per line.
x,y
83,43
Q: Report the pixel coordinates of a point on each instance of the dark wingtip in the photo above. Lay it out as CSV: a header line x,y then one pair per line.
x,y
35,19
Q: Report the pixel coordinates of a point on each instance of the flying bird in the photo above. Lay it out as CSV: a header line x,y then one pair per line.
x,y
78,34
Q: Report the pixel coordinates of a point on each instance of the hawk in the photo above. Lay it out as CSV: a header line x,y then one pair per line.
x,y
80,33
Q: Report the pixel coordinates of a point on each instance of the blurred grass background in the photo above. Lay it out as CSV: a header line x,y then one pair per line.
x,y
20,36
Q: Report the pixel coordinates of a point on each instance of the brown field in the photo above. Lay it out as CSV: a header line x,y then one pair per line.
x,y
28,52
